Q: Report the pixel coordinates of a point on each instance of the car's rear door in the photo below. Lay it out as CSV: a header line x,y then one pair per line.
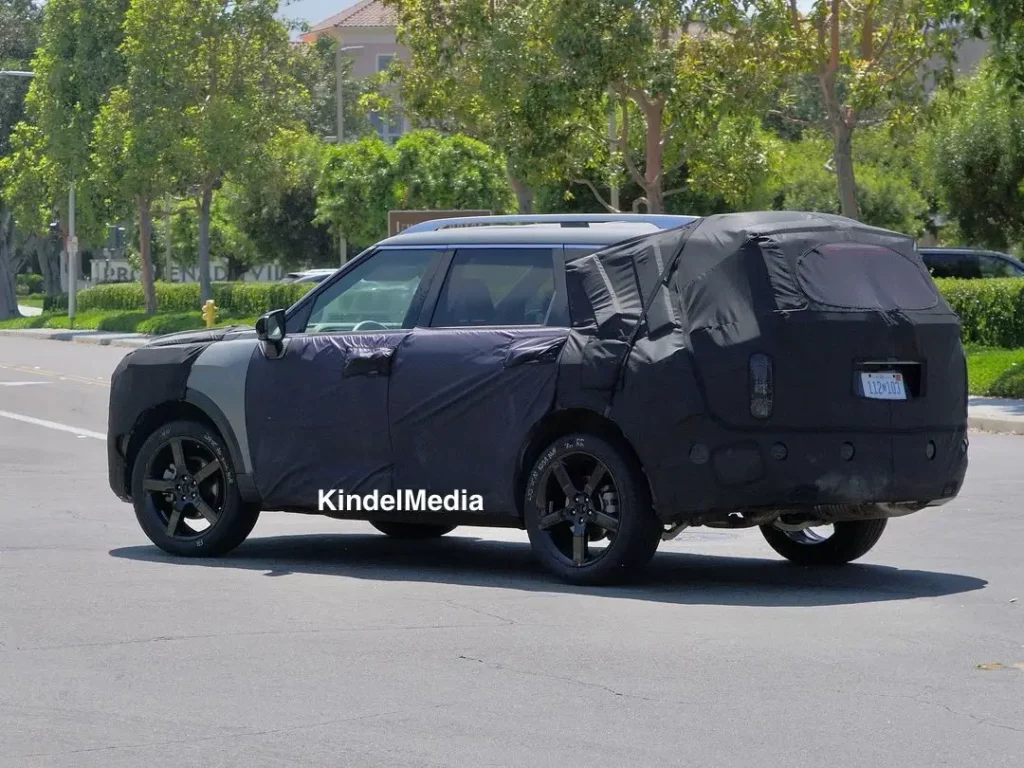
x,y
468,385
316,414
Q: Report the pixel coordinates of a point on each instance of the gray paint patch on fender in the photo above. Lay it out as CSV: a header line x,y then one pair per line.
x,y
219,373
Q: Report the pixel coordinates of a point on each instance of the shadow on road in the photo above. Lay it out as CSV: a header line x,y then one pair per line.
x,y
672,577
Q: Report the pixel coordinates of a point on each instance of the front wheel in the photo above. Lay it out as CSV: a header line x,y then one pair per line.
x,y
413,530
185,494
835,544
588,512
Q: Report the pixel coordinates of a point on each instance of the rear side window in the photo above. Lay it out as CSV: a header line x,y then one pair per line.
x,y
500,286
859,276
993,266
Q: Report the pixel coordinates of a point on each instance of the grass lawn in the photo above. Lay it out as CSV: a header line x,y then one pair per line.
x,y
995,372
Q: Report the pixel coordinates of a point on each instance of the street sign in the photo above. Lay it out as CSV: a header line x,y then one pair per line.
x,y
399,220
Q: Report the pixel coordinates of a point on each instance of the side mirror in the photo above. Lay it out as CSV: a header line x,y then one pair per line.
x,y
270,326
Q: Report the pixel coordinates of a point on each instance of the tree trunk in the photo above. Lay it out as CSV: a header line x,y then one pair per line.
x,y
205,204
843,155
145,209
48,255
524,195
8,294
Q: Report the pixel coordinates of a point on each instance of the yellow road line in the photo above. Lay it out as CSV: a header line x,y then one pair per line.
x,y
97,382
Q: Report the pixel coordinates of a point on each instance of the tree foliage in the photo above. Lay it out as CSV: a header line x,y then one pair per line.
x,y
978,156
872,60
220,69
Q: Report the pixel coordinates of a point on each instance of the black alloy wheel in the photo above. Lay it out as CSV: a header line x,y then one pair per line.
x,y
826,545
588,513
185,495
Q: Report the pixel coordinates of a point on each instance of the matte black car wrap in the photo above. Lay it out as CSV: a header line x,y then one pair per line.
x,y
822,297
674,334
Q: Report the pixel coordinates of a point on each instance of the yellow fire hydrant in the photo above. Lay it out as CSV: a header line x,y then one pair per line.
x,y
209,313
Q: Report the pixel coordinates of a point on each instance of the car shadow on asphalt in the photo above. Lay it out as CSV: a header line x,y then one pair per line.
x,y
671,578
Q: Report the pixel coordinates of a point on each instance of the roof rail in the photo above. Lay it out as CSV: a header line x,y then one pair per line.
x,y
563,219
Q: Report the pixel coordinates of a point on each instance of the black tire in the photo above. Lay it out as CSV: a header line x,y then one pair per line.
x,y
637,529
415,531
172,517
849,541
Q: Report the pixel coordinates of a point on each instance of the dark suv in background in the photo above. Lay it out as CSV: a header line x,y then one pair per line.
x,y
970,263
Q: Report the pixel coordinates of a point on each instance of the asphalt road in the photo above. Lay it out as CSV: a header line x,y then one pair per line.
x,y
320,643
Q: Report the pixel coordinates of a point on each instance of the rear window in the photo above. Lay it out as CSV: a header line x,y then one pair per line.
x,y
859,276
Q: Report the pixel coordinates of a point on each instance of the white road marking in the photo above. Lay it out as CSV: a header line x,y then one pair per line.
x,y
21,383
53,425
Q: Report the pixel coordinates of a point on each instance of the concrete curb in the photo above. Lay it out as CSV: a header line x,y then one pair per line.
x,y
98,338
995,424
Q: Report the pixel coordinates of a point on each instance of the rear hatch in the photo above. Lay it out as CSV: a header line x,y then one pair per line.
x,y
851,336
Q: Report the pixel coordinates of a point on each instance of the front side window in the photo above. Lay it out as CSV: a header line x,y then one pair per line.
x,y
500,286
376,295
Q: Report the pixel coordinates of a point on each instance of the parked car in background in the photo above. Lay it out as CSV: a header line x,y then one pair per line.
x,y
970,263
309,276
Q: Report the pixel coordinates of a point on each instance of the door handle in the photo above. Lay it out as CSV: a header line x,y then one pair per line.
x,y
368,362
534,351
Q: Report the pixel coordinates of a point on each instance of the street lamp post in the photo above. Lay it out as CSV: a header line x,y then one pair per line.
x,y
340,64
340,104
72,243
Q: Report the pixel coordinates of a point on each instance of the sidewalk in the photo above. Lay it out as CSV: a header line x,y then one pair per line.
x,y
102,338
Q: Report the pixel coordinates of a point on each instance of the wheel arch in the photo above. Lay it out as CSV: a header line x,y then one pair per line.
x,y
563,422
194,407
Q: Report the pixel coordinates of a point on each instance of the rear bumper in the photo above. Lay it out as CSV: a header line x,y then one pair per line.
x,y
729,471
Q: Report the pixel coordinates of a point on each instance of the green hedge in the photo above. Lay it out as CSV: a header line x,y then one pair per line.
x,y
991,310
237,299
25,285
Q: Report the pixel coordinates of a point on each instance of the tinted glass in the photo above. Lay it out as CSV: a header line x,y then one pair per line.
x,y
513,286
993,266
952,264
859,276
375,295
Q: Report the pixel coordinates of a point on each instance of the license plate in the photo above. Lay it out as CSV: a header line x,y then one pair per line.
x,y
883,386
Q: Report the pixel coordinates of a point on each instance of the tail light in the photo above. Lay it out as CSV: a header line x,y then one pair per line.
x,y
762,389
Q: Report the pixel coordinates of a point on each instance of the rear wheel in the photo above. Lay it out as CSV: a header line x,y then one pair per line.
x,y
185,495
825,545
588,512
413,530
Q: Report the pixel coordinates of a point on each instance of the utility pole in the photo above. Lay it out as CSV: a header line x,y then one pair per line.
x,y
340,138
339,97
612,138
167,236
72,257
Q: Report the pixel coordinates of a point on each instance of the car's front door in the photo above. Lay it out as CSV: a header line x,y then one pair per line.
x,y
466,389
317,411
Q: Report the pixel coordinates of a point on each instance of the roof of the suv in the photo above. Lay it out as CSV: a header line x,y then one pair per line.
x,y
552,229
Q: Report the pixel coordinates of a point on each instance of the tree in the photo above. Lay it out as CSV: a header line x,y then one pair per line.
x,y
437,172
135,159
221,70
274,202
889,184
357,189
487,70
314,67
19,31
869,58
977,150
